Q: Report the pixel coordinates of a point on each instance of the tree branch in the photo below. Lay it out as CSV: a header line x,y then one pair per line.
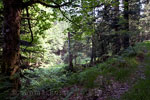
x,y
29,25
28,18
68,18
31,2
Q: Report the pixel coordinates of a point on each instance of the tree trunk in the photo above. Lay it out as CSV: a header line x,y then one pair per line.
x,y
75,60
126,37
116,15
11,48
93,52
117,42
70,53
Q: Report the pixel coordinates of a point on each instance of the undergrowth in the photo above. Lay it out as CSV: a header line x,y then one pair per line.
x,y
119,67
141,90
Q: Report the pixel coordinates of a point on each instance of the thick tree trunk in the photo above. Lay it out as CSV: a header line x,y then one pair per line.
x,y
11,32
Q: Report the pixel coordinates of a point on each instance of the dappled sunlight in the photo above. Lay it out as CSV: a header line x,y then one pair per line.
x,y
74,50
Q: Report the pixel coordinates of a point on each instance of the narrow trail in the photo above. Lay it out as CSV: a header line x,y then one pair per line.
x,y
114,90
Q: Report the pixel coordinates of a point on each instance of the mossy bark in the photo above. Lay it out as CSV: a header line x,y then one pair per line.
x,y
11,48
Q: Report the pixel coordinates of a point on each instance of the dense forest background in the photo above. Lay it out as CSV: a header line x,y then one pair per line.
x,y
50,47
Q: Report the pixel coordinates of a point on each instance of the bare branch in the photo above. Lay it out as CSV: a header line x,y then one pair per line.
x,y
28,18
29,25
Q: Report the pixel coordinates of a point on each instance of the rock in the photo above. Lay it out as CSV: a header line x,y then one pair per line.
x,y
114,86
99,93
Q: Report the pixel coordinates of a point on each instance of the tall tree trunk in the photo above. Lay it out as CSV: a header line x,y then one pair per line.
x,y
117,42
147,1
70,53
116,15
126,26
135,6
93,52
106,13
11,32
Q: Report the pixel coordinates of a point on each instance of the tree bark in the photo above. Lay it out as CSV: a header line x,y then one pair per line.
x,y
11,48
93,51
70,53
126,37
116,15
117,42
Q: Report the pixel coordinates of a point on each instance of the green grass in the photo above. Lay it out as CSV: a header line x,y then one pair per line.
x,y
118,67
121,68
141,90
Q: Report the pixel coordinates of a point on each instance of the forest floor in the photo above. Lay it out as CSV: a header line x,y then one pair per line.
x,y
125,77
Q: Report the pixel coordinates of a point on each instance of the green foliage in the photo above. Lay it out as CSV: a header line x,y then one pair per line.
x,y
47,45
5,87
49,37
129,52
123,69
1,4
139,92
142,47
85,78
51,79
88,77
118,67
52,42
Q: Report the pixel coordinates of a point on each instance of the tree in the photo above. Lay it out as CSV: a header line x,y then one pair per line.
x,y
1,37
82,20
126,24
144,22
11,32
70,53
